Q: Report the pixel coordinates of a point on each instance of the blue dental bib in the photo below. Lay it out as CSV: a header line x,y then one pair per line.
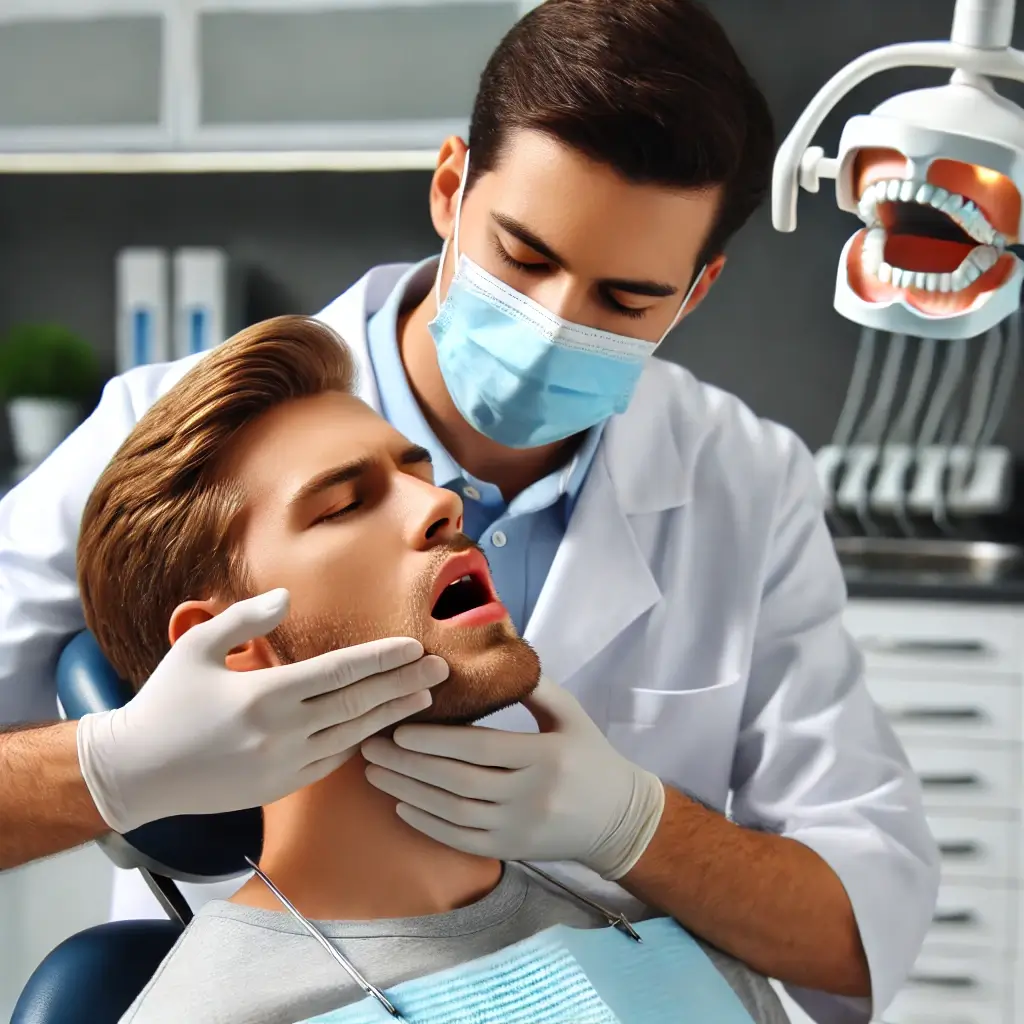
x,y
563,975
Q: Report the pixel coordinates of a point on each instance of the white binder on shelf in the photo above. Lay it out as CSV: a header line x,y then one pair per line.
x,y
143,307
206,309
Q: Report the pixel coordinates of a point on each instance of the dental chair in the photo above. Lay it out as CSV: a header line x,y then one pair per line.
x,y
94,976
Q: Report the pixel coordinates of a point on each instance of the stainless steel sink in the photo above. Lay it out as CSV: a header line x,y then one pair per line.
x,y
931,560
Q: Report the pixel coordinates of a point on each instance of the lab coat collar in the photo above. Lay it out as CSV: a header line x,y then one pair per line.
x,y
349,315
599,582
651,449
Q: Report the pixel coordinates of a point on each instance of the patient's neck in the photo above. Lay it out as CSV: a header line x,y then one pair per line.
x,y
338,851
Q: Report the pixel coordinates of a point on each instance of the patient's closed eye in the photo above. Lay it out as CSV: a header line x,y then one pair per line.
x,y
341,512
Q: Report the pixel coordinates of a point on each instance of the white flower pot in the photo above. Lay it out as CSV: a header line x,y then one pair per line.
x,y
38,425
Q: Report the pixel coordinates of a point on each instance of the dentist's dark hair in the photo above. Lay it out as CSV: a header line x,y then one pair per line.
x,y
651,88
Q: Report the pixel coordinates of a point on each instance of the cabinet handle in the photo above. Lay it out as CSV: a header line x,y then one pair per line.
x,y
965,917
936,714
941,781
888,645
943,980
964,848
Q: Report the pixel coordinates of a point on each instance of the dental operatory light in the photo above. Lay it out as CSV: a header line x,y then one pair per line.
x,y
936,175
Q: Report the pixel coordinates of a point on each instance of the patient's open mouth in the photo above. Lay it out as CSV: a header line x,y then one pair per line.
x,y
923,237
464,594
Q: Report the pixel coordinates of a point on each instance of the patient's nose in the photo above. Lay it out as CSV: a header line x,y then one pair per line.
x,y
437,515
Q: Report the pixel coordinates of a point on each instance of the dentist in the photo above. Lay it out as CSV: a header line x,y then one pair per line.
x,y
662,548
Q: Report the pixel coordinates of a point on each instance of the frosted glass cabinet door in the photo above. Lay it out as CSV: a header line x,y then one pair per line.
x,y
391,74
77,81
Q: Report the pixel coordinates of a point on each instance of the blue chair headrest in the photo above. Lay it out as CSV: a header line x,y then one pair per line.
x,y
193,847
93,977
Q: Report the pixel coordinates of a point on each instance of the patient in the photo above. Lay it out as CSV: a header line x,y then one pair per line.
x,y
259,469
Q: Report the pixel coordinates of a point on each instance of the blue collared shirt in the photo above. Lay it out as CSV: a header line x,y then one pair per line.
x,y
520,538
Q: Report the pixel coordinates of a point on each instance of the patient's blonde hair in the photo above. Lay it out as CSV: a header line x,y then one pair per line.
x,y
160,525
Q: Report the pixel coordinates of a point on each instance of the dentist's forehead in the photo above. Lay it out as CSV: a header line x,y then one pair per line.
x,y
586,211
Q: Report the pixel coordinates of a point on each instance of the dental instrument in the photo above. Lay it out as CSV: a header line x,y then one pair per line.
x,y
616,920
336,954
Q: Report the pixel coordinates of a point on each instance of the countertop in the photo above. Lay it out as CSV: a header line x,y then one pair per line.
x,y
907,587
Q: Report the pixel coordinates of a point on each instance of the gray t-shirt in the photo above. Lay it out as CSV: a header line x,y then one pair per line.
x,y
240,965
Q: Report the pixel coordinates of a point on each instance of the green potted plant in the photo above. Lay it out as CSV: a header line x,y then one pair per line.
x,y
47,374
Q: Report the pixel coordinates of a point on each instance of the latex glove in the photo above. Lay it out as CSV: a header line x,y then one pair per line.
x,y
200,738
561,794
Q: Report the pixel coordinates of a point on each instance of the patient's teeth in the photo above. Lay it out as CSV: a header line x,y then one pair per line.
x,y
920,280
931,282
971,272
866,206
885,273
940,198
892,191
999,241
881,191
907,190
945,282
897,277
924,194
969,210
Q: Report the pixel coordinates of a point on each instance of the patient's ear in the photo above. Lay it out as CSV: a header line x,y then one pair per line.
x,y
253,654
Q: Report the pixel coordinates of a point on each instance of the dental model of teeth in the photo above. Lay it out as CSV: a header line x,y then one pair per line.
x,y
964,213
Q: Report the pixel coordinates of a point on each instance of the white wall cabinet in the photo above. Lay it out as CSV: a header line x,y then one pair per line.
x,y
80,75
950,679
242,75
289,73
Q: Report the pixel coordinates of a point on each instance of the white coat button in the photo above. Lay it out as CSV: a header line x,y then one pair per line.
x,y
471,492
498,539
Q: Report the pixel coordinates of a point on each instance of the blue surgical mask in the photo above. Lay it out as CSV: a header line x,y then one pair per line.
x,y
518,373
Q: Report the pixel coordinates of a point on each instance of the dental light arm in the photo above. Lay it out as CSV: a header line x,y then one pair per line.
x,y
979,46
983,24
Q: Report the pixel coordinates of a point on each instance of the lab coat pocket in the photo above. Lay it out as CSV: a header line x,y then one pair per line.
x,y
685,737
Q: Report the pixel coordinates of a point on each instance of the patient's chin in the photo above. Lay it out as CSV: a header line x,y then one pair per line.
x,y
482,685
489,669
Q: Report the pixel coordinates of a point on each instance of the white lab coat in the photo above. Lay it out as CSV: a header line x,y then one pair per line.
x,y
694,608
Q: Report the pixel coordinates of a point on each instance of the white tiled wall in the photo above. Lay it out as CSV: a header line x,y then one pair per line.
x,y
43,904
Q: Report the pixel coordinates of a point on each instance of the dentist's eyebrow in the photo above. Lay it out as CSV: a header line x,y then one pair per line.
x,y
652,289
527,237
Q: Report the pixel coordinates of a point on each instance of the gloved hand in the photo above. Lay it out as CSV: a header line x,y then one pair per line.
x,y
561,794
199,738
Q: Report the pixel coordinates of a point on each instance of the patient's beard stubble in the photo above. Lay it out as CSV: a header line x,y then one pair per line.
x,y
488,671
